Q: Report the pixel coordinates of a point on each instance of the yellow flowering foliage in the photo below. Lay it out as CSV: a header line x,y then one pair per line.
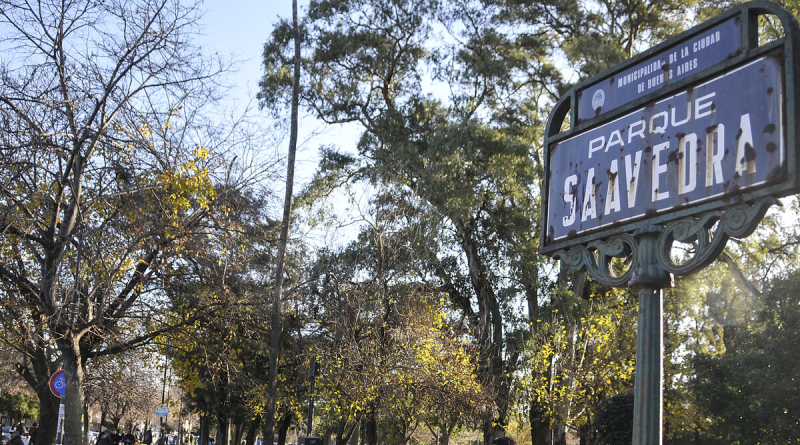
x,y
188,185
181,185
574,363
404,370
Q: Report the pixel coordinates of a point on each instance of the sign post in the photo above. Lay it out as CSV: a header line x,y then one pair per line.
x,y
648,392
690,142
58,386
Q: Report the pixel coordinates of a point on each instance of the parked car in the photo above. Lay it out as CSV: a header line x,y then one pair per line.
x,y
6,434
6,437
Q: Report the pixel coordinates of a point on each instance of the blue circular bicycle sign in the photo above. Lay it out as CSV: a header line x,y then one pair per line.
x,y
58,384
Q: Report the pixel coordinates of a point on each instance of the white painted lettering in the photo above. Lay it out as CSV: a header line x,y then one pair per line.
x,y
614,139
659,169
639,132
663,127
632,175
589,198
745,153
715,151
702,108
612,193
687,163
596,145
570,198
675,122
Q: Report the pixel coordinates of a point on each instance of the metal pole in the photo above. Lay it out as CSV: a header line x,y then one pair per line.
x,y
651,279
59,431
161,419
648,396
313,372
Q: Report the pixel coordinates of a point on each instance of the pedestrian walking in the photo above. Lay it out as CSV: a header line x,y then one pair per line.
x,y
103,439
114,437
33,433
504,441
16,437
128,438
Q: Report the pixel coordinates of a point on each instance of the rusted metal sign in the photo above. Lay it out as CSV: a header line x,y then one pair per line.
x,y
701,122
668,66
690,142
692,146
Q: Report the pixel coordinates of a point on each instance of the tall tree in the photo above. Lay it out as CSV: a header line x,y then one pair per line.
x,y
748,392
465,151
582,356
394,360
597,36
124,387
106,173
275,325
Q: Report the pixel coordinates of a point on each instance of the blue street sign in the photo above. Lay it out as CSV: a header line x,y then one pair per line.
x,y
162,410
668,66
718,138
58,384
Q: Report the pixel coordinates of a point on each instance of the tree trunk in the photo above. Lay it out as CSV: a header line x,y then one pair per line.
x,y
342,434
539,425
222,428
48,409
252,431
559,435
237,434
73,401
37,373
489,333
445,432
275,334
326,438
283,427
371,429
585,432
86,420
203,439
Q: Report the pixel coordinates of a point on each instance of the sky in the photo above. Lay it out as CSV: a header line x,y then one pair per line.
x,y
240,28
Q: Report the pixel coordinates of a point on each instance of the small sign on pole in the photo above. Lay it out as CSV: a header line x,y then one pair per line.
x,y
58,384
162,410
60,421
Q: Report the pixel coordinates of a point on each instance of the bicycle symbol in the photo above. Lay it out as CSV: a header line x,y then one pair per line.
x,y
58,384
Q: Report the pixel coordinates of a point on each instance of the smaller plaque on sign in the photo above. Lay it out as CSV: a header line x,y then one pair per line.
x,y
665,67
162,410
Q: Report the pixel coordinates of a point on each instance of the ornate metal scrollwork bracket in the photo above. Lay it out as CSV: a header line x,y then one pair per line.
x,y
704,237
706,243
597,256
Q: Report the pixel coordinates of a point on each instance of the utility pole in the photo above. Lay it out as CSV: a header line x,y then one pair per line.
x,y
313,372
161,440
